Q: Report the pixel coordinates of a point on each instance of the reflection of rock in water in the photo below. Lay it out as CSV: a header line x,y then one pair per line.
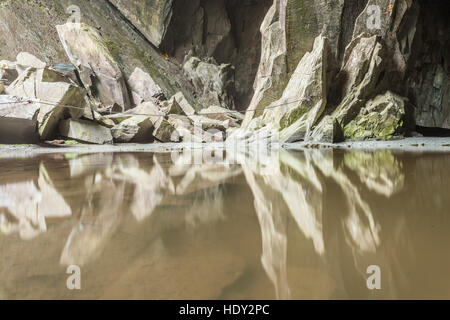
x,y
361,229
150,185
207,208
379,170
99,219
273,231
27,206
139,214
297,180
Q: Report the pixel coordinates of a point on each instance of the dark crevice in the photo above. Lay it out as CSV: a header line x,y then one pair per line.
x,y
351,11
241,47
433,132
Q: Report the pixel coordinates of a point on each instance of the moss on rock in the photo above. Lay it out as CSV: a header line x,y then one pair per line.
x,y
382,118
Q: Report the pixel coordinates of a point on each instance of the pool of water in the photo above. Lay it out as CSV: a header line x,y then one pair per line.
x,y
290,225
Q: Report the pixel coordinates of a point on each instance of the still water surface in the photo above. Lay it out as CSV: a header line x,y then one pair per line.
x,y
301,225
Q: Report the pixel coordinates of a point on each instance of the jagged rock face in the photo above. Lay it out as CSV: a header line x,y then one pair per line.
x,y
227,30
304,98
429,67
216,83
151,17
35,21
205,53
57,95
358,77
272,71
288,32
328,130
376,59
98,70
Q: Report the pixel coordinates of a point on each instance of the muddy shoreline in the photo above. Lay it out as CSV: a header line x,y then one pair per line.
x,y
407,144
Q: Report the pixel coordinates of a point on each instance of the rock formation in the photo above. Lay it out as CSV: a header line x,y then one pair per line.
x,y
321,70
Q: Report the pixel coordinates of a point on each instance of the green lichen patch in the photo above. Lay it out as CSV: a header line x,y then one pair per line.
x,y
381,119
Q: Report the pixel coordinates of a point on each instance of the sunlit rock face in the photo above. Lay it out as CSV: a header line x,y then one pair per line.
x,y
304,97
372,51
143,88
98,69
245,55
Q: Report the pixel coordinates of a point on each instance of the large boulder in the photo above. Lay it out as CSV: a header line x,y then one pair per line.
x,y
383,118
143,87
99,71
165,132
59,96
135,129
18,120
185,128
85,131
139,124
150,109
178,104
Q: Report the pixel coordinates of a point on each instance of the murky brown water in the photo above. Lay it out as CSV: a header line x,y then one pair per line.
x,y
295,226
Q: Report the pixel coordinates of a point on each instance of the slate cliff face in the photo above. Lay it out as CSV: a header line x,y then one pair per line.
x,y
338,68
